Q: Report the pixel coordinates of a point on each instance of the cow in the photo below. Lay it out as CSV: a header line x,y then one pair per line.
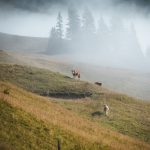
x,y
106,109
98,83
75,73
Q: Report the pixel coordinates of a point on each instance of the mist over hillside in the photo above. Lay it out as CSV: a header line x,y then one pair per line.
x,y
99,58
109,44
130,82
75,74
22,43
111,33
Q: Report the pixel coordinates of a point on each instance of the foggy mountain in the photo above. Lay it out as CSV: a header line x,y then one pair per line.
x,y
108,45
34,44
108,33
22,43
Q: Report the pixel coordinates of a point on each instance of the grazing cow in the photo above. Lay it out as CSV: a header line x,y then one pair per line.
x,y
76,73
98,83
106,109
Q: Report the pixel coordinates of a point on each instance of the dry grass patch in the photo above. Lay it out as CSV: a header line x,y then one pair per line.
x,y
52,113
127,115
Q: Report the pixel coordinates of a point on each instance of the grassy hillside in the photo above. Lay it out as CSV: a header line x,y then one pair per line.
x,y
5,57
21,130
22,43
47,83
131,82
29,121
127,115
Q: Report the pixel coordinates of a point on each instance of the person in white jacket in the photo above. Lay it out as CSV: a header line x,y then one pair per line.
x,y
106,109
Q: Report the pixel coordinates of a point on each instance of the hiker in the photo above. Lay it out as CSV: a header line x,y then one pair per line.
x,y
106,109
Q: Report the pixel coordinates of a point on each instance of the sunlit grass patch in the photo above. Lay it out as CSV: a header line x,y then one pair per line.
x,y
74,130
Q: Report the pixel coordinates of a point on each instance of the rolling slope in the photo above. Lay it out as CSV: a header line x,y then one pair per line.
x,y
40,118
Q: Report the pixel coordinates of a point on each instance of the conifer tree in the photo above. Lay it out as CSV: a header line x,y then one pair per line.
x,y
59,26
88,22
73,28
53,33
102,27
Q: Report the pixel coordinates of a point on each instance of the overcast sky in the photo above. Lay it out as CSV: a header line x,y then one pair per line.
x,y
36,17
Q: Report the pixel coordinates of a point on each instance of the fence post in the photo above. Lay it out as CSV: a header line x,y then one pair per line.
x,y
58,144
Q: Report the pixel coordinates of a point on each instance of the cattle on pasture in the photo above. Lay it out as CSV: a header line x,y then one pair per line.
x,y
106,109
76,73
98,83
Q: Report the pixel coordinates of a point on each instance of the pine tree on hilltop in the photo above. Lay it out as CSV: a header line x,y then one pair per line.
x,y
88,23
56,42
59,26
73,28
53,33
103,37
102,27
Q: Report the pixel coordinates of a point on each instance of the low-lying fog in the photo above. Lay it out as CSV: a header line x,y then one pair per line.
x,y
110,33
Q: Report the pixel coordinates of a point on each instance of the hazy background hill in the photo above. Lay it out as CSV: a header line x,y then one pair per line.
x,y
47,46
130,82
22,43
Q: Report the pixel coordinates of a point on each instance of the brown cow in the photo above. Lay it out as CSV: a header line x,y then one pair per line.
x,y
76,73
98,83
106,109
